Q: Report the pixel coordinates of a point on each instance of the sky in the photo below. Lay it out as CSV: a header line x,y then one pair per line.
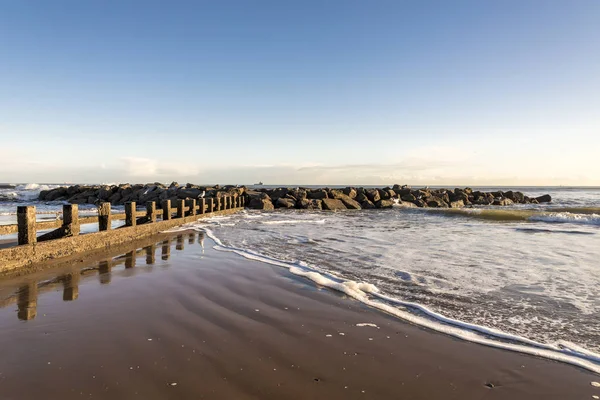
x,y
301,92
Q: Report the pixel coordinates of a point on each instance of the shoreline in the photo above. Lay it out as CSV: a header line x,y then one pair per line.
x,y
200,310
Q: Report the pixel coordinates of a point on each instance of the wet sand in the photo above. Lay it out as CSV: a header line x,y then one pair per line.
x,y
171,321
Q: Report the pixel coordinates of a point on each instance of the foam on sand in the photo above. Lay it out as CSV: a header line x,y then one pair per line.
x,y
419,314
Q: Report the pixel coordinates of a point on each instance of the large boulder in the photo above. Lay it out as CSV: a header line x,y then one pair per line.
x,y
278,193
350,192
306,204
434,201
408,197
350,204
544,199
503,202
367,204
261,202
317,194
284,202
373,195
457,204
333,205
385,203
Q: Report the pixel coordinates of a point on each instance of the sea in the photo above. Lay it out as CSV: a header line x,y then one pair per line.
x,y
522,277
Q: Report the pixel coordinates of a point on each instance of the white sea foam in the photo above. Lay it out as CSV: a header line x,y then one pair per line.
x,y
294,221
369,295
567,217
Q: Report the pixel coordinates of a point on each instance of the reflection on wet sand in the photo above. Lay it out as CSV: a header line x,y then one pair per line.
x,y
26,296
165,252
27,302
71,286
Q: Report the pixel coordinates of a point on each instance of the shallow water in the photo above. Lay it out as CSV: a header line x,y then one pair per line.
x,y
532,271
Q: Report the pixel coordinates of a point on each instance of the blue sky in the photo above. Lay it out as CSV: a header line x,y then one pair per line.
x,y
311,92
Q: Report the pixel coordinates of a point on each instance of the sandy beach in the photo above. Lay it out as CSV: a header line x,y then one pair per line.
x,y
177,320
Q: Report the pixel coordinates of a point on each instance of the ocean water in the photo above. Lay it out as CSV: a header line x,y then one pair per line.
x,y
522,276
525,277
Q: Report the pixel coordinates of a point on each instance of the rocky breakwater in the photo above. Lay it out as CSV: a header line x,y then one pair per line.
x,y
140,193
360,198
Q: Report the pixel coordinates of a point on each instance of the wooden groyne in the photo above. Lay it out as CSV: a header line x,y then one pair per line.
x,y
65,238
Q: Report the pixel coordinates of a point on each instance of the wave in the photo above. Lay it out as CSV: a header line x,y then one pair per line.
x,y
567,217
294,221
370,295
573,216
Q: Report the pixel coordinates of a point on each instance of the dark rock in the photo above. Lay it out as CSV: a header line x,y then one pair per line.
x,y
383,194
373,195
367,205
350,192
361,197
333,204
284,202
191,193
544,199
262,202
351,204
307,204
317,194
408,197
434,201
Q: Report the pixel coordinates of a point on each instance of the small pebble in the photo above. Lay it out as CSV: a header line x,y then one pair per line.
x,y
174,384
328,335
594,384
595,397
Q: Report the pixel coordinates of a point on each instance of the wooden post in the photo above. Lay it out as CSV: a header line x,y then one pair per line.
x,y
243,201
219,202
202,206
151,211
130,217
166,206
192,207
26,224
71,218
180,208
104,217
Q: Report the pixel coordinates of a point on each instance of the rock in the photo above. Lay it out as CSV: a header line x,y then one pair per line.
x,y
333,204
350,192
434,201
385,203
383,194
373,195
191,193
503,202
336,194
306,204
317,194
299,194
408,197
56,193
115,198
517,197
284,202
361,197
262,202
277,193
544,199
457,204
367,205
351,204
105,193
